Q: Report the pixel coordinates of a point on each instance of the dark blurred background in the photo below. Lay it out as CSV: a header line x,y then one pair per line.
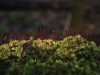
x,y
30,15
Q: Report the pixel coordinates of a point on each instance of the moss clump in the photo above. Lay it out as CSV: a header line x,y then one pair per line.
x,y
72,55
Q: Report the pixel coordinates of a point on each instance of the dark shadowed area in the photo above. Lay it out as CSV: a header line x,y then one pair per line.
x,y
31,16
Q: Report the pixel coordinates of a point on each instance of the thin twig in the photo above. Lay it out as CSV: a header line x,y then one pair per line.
x,y
51,70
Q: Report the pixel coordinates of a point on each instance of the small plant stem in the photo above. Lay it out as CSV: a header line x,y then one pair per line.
x,y
14,36
28,36
0,42
59,36
9,65
5,39
90,36
85,35
75,30
23,35
19,36
8,41
71,32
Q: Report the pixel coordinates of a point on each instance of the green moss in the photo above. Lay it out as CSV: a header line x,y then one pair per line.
x,y
72,54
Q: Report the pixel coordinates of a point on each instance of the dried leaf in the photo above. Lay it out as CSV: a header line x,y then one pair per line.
x,y
27,47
